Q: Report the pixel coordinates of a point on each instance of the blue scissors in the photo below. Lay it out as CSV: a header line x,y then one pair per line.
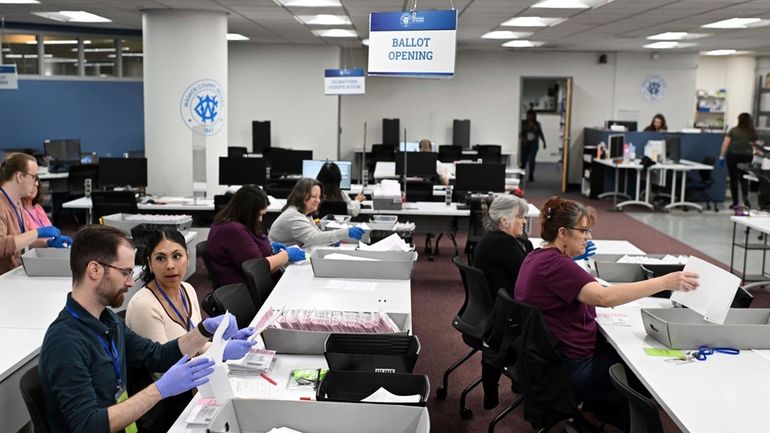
x,y
705,351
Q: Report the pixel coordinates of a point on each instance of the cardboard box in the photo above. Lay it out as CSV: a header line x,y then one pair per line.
x,y
47,262
253,415
120,220
390,265
682,328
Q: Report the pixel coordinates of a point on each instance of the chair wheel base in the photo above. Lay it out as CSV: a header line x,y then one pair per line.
x,y
466,413
441,393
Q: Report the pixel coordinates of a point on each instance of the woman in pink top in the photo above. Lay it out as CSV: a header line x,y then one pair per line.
x,y
34,214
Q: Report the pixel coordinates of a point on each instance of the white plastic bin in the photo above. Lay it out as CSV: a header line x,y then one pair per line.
x,y
390,265
47,262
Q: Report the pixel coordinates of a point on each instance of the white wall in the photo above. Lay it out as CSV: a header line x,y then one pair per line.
x,y
735,74
284,84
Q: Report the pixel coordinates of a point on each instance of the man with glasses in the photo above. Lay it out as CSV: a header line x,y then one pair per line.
x,y
87,349
18,179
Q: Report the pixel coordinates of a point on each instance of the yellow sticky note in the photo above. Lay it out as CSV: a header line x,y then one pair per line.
x,y
671,353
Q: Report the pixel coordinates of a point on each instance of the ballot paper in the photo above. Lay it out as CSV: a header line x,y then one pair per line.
x,y
283,430
715,293
203,412
382,395
613,318
218,387
390,243
668,259
341,256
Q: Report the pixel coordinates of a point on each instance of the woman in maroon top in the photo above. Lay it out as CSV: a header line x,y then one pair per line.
x,y
237,236
566,295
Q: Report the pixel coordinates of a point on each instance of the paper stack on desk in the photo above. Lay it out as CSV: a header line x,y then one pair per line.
x,y
390,243
715,294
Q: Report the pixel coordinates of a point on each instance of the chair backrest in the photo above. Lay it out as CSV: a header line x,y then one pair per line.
x,y
742,299
32,393
332,207
221,200
419,190
236,151
450,153
259,280
705,175
490,153
203,253
236,299
472,318
111,202
78,173
643,414
383,152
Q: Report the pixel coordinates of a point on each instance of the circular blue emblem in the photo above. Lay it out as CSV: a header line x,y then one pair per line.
x,y
202,107
406,19
654,88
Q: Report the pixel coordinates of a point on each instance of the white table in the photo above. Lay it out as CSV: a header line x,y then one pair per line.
x,y
722,394
52,176
605,246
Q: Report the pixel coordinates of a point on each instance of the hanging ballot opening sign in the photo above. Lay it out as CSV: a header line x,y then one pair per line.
x,y
8,77
344,81
413,43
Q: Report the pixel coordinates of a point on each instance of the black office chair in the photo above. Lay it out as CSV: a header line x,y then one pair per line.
x,y
112,202
259,280
471,322
450,153
221,200
697,190
236,151
490,153
201,250
76,177
332,207
419,190
236,299
32,393
643,413
380,152
475,225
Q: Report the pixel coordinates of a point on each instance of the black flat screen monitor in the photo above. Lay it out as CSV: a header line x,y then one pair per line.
x,y
673,148
287,162
311,167
629,124
616,145
122,172
241,171
63,150
480,177
260,136
418,164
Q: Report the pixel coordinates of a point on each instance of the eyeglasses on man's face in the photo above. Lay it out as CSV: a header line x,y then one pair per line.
x,y
126,272
35,177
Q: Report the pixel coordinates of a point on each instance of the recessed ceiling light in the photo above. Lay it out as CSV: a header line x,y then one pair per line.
x,y
720,53
732,23
667,45
325,20
676,36
336,33
522,43
236,37
505,34
18,2
311,3
73,17
60,42
565,4
532,22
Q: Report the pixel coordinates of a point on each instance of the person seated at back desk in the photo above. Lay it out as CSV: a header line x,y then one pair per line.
x,y
237,236
443,170
295,227
330,178
18,180
658,124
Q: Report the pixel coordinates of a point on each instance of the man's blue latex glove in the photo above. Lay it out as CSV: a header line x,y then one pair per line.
x,y
295,254
355,233
60,242
237,349
277,247
721,161
590,251
212,324
244,333
48,232
184,376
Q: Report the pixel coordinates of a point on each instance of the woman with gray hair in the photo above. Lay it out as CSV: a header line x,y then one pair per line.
x,y
502,249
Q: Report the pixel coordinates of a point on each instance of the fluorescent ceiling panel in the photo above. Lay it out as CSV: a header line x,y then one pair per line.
x,y
19,2
568,4
73,17
311,3
505,34
733,23
522,43
667,45
325,20
532,22
720,53
336,33
236,37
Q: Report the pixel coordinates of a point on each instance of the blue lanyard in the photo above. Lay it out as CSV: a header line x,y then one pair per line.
x,y
184,305
19,216
113,351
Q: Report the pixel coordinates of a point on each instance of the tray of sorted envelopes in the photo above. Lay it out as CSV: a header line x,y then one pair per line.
x,y
47,262
337,220
375,353
126,222
624,268
387,265
358,387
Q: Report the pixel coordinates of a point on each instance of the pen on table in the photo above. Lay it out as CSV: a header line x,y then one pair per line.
x,y
268,378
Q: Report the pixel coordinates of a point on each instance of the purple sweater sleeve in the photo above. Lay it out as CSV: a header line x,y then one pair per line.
x,y
243,245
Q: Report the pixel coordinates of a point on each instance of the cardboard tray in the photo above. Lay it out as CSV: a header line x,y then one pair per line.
x,y
255,415
682,328
608,269
47,262
313,342
392,265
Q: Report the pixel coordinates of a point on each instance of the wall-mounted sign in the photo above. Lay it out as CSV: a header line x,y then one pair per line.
x,y
344,81
413,44
654,88
8,77
203,107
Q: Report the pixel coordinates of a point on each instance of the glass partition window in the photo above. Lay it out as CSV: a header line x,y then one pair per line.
x,y
21,50
61,54
133,57
100,57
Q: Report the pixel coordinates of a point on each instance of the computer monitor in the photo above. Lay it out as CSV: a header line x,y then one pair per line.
x,y
63,150
241,171
311,167
616,145
480,177
629,124
418,164
673,148
122,172
287,162
409,146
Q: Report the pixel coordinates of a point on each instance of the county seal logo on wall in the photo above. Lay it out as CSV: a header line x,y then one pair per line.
x,y
654,88
203,107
